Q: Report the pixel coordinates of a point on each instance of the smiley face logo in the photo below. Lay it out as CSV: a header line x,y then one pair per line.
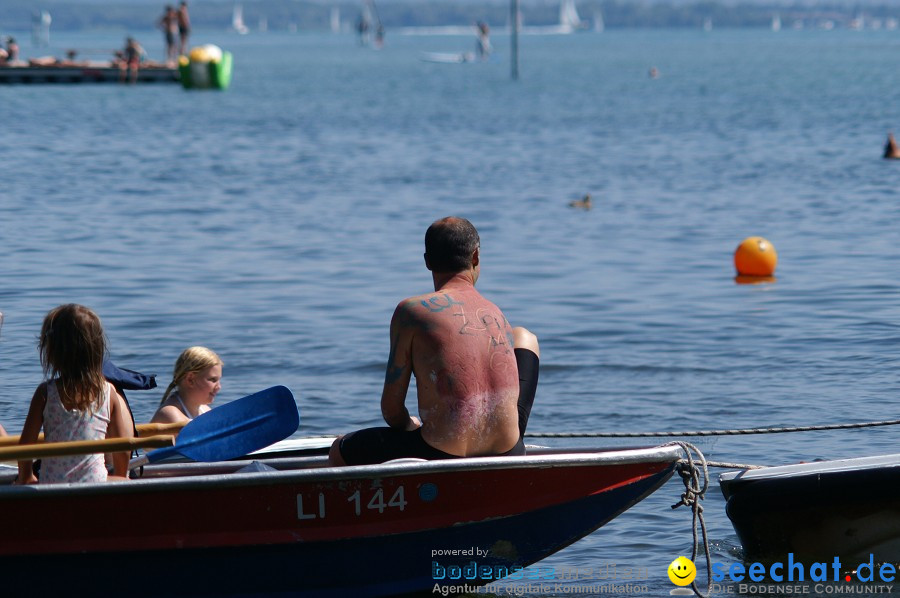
x,y
682,571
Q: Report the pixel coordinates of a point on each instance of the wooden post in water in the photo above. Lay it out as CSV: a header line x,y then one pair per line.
x,y
514,39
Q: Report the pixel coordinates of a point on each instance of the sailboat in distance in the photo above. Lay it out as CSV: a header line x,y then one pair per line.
x,y
599,26
237,20
569,22
568,16
335,19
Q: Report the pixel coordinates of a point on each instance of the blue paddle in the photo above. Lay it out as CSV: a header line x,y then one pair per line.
x,y
234,429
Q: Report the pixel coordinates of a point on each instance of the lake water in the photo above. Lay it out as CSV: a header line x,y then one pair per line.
x,y
281,221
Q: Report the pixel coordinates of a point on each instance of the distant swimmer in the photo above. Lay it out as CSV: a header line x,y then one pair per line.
x,y
891,151
584,203
654,73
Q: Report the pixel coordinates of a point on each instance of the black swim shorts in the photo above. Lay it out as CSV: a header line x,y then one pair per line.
x,y
377,445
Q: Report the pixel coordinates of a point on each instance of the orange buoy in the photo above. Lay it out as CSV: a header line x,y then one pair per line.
x,y
755,256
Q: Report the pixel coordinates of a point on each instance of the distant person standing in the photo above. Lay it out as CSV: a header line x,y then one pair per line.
x,y
362,28
12,49
483,48
169,25
132,56
184,28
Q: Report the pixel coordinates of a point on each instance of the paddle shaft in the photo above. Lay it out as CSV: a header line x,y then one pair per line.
x,y
26,452
146,429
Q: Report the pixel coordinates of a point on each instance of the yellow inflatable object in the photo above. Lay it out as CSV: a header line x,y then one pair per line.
x,y
206,53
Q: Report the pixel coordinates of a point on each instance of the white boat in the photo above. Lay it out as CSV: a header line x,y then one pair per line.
x,y
448,57
457,30
568,15
776,23
237,20
569,22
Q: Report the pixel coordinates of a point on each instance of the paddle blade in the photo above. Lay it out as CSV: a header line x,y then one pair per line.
x,y
237,428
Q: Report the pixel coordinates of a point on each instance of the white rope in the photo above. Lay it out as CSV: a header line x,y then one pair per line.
x,y
695,486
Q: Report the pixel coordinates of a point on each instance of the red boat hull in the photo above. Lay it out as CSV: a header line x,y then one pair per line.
x,y
355,531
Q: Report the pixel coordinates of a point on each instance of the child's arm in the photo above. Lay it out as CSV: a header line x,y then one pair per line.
x,y
168,415
33,423
120,426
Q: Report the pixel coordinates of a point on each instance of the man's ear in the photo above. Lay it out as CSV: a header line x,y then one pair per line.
x,y
475,256
427,263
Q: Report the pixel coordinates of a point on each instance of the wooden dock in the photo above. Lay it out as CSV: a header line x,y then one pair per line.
x,y
84,72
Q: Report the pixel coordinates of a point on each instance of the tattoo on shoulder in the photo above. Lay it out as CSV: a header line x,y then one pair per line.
x,y
393,373
440,303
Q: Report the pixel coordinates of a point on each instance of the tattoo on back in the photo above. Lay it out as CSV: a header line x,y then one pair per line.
x,y
436,303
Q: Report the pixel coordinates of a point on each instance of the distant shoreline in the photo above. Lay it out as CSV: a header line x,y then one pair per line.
x,y
288,15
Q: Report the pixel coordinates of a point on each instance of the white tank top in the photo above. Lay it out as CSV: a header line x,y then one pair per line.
x,y
62,425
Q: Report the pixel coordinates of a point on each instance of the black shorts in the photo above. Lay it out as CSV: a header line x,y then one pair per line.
x,y
377,445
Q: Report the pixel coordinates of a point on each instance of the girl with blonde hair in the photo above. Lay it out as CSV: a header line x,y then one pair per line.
x,y
75,402
195,382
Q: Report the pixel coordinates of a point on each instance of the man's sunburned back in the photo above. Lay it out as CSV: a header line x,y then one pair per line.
x,y
465,369
461,350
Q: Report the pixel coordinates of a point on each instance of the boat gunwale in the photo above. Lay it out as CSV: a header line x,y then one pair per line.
x,y
660,454
815,468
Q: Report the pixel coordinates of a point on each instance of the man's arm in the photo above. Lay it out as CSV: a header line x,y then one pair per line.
x,y
399,371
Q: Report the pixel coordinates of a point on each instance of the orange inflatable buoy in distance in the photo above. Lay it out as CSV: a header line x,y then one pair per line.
x,y
756,257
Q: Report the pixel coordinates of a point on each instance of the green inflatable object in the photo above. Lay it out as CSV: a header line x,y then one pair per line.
x,y
206,74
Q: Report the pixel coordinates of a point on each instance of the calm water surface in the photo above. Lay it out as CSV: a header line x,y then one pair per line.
x,y
280,222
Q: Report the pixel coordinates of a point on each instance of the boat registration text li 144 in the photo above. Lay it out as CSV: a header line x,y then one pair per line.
x,y
314,507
